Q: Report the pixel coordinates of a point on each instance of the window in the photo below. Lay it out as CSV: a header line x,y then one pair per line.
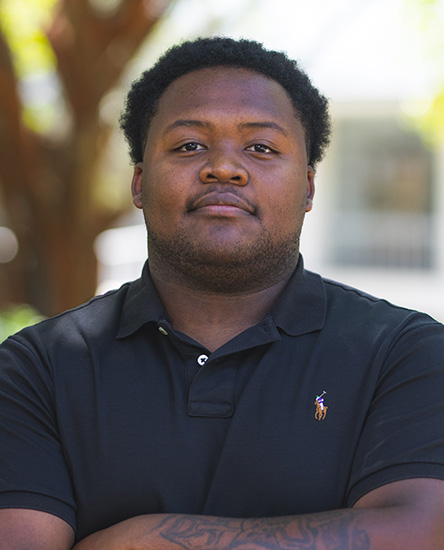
x,y
382,211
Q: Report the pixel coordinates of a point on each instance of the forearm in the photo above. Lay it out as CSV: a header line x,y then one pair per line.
x,y
348,529
338,530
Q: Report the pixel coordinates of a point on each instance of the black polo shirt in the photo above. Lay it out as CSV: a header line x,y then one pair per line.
x,y
106,412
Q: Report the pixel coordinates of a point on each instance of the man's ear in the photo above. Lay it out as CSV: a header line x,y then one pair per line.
x,y
310,189
136,185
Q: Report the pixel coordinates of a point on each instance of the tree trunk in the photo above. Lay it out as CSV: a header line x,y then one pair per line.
x,y
46,187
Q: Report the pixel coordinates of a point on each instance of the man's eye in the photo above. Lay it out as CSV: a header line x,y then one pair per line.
x,y
191,146
260,148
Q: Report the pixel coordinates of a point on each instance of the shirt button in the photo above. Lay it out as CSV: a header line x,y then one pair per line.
x,y
202,359
163,331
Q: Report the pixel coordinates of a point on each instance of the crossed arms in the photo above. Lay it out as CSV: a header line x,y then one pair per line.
x,y
405,515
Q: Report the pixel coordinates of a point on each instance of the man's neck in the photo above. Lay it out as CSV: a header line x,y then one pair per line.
x,y
212,319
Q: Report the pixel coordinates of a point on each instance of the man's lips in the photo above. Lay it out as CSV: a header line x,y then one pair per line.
x,y
222,202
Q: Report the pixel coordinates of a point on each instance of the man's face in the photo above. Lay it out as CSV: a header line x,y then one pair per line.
x,y
224,184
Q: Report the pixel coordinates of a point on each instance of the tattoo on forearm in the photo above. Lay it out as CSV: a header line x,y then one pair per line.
x,y
196,532
332,530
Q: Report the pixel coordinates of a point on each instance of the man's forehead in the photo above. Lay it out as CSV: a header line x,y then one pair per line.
x,y
225,89
206,75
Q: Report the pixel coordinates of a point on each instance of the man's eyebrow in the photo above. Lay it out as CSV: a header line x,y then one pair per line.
x,y
188,123
263,124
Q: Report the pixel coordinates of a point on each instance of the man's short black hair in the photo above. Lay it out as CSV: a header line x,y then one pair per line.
x,y
310,106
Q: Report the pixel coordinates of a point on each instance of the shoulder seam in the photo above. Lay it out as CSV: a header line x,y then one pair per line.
x,y
363,294
77,308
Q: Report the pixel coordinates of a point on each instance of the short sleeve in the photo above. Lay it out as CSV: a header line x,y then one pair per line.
x,y
33,472
403,436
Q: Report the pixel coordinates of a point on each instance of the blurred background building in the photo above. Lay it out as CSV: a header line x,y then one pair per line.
x,y
378,216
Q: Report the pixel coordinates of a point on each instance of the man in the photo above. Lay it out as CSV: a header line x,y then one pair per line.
x,y
229,398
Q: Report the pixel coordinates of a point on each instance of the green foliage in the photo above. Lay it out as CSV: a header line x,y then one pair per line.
x,y
428,18
23,23
15,318
431,123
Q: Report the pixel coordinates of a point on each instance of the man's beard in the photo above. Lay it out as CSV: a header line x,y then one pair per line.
x,y
237,270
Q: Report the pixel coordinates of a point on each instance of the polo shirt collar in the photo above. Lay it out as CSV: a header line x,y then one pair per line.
x,y
300,309
142,305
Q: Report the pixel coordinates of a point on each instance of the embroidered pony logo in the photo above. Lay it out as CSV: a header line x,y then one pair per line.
x,y
321,409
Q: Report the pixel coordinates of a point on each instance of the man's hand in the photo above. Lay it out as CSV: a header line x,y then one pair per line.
x,y
406,515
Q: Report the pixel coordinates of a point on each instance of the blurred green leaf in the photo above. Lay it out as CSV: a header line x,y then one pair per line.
x,y
428,18
23,23
17,317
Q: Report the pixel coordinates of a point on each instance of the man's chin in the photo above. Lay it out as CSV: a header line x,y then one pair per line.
x,y
224,266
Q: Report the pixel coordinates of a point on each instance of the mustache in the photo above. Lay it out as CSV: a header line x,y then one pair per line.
x,y
226,194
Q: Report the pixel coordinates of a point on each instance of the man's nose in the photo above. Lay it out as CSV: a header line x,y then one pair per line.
x,y
224,166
